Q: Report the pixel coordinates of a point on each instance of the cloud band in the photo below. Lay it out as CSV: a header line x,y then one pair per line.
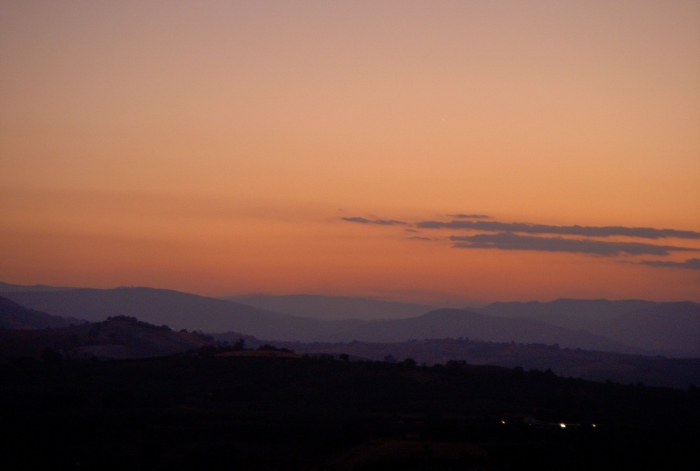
x,y
690,264
378,222
585,231
510,241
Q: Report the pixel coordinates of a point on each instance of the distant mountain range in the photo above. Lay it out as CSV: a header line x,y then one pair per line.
x,y
126,337
187,311
579,314
27,332
456,323
632,326
179,311
670,328
333,307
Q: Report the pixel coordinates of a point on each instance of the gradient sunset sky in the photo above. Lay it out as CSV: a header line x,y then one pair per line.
x,y
444,152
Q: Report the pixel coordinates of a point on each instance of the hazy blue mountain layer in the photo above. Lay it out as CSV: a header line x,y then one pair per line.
x,y
586,314
16,317
179,311
622,326
333,307
669,328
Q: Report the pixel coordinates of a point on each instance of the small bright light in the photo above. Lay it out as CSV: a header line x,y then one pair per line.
x,y
562,425
503,421
594,425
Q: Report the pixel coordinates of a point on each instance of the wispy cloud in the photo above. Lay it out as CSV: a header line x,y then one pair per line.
x,y
691,264
469,216
571,239
510,241
378,222
585,231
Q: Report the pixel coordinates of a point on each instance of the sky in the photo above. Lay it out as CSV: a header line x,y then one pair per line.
x,y
443,152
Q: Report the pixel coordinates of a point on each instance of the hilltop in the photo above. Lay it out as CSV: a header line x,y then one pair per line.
x,y
117,337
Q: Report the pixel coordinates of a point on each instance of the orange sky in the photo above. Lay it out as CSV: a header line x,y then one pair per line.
x,y
214,147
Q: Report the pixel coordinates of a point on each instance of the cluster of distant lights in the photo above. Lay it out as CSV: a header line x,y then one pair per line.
x,y
561,424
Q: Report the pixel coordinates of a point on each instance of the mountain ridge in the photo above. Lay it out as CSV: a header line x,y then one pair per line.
x,y
546,323
177,310
333,307
182,310
16,317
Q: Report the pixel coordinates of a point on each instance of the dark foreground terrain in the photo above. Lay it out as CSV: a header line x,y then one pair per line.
x,y
586,364
269,409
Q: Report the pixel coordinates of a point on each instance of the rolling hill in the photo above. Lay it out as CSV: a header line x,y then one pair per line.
x,y
591,365
456,323
16,317
668,328
584,314
333,307
118,337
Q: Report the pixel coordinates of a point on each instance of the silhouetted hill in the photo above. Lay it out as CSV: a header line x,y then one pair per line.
x,y
14,316
672,328
333,307
179,311
669,328
591,365
455,323
581,314
117,337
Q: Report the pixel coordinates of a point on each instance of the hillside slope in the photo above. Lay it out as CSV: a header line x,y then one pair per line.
x,y
455,323
333,307
582,314
118,337
670,328
14,316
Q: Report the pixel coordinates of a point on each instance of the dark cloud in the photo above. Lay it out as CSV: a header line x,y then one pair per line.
x,y
510,241
586,231
410,230
419,238
469,216
378,222
691,264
